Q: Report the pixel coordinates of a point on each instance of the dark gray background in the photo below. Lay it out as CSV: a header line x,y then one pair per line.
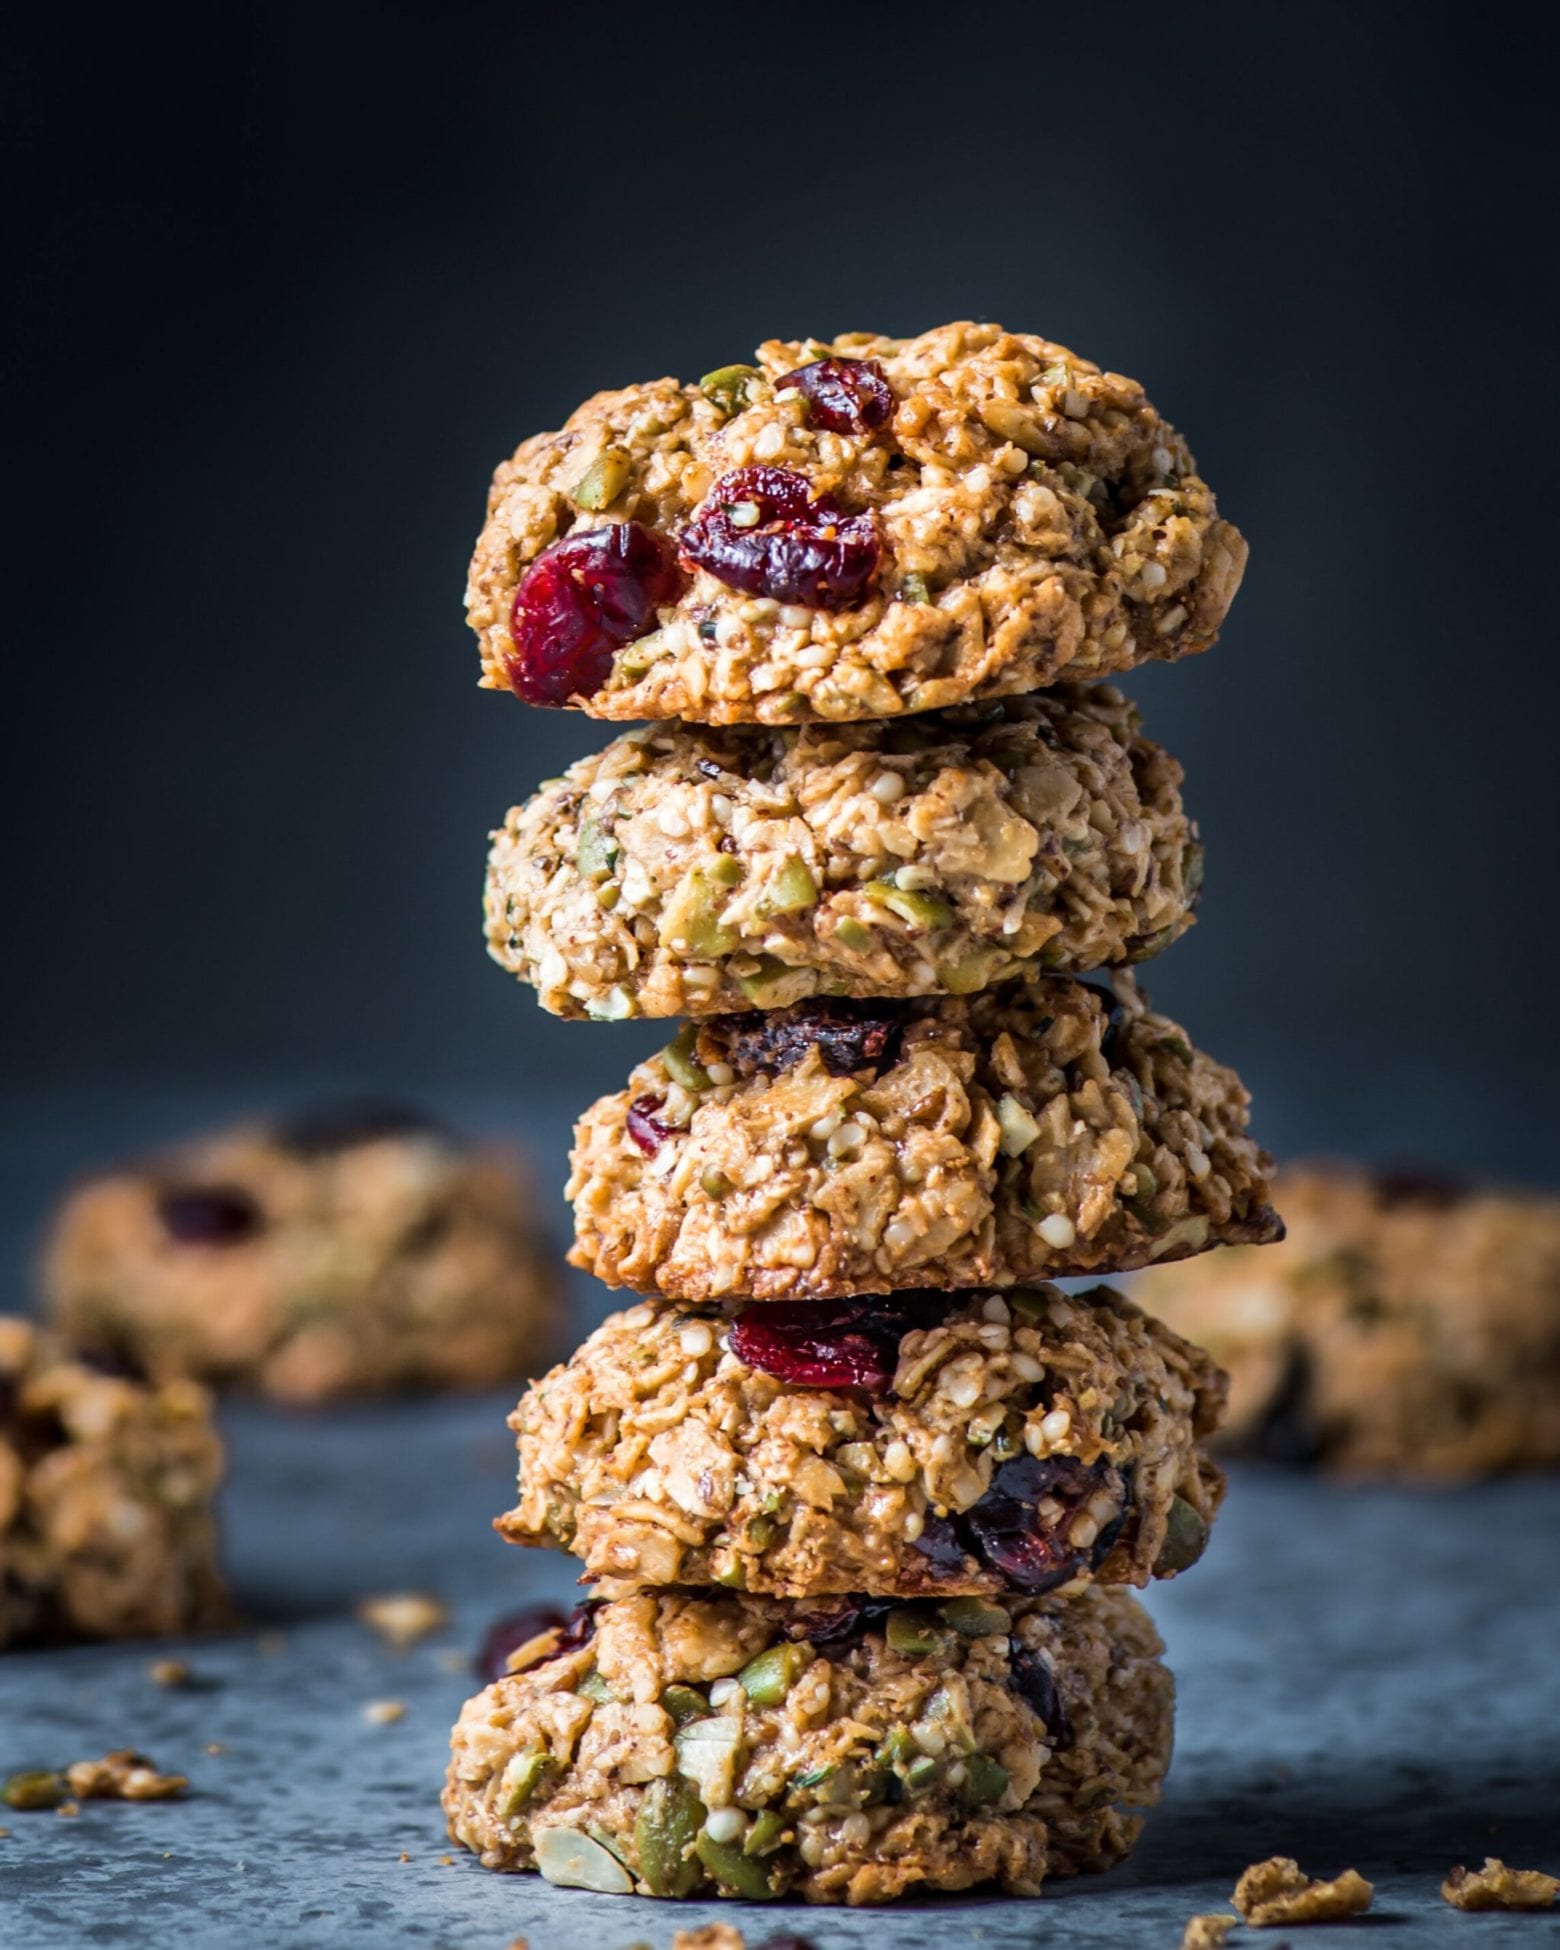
x,y
291,282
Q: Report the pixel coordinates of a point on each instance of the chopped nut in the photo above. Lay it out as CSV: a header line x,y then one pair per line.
x,y
401,1618
1497,1887
384,1712
123,1775
168,1672
1278,1891
1208,1932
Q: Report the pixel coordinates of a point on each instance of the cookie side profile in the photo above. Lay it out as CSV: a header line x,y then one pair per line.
x,y
682,1744
106,1489
338,1254
687,870
849,530
921,1445
1408,1326
1042,1128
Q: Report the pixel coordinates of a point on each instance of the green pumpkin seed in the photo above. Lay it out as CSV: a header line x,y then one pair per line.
x,y
595,852
685,1704
742,1874
791,890
985,1781
914,1633
677,1060
731,387
767,1679
924,911
603,481
765,1833
1185,1540
973,1618
36,1789
670,1818
850,933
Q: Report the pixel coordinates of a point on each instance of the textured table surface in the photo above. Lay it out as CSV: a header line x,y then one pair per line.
x,y
1366,1677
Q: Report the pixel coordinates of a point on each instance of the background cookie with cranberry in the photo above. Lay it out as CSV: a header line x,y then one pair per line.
x,y
1409,1325
852,529
915,1445
686,869
106,1492
1041,1128
357,1250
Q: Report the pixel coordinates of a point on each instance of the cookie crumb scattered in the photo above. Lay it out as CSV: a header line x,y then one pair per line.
x,y
452,1659
446,1861
215,1747
1497,1887
1208,1932
713,1936
268,1644
401,1618
69,1809
123,1775
36,1788
168,1672
5,1834
384,1712
1278,1891
404,1856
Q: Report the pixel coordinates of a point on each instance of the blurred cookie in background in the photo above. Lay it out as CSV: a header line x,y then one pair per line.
x,y
358,1249
106,1488
1409,1325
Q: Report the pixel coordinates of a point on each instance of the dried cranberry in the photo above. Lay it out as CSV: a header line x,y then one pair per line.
x,y
644,1127
793,548
324,1129
838,1621
508,1634
1004,1526
848,1036
940,1545
209,1215
1030,1676
1426,1186
579,602
817,1344
7,1396
843,395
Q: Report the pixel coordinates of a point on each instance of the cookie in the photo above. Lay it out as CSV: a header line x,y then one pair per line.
x,y
921,1445
1040,1128
106,1489
847,530
1407,1327
683,1744
687,870
351,1251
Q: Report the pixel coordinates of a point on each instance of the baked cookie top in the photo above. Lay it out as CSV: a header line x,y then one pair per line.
x,y
689,869
850,529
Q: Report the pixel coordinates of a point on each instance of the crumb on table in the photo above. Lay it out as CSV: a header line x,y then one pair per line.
x,y
401,1618
1278,1891
1208,1932
1497,1887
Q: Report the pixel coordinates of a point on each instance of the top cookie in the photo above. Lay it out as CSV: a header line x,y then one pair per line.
x,y
849,530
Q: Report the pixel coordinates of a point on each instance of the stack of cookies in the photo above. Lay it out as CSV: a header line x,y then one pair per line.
x,y
858,1489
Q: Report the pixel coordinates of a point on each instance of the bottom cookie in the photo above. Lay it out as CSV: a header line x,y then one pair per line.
x,y
106,1488
845,1751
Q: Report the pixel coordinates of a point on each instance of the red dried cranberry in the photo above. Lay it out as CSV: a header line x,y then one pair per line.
x,y
793,548
848,1036
579,602
1004,1526
838,1621
1031,1677
644,1127
940,1545
209,1215
843,395
324,1129
518,1628
818,1343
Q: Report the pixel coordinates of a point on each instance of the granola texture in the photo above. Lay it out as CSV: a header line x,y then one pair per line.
x,y
1406,1327
700,1745
687,870
658,1456
339,1254
1497,1887
1041,1128
1037,522
1279,1891
106,1489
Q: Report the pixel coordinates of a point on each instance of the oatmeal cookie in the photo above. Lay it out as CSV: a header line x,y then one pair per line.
x,y
683,1744
1041,1128
960,1445
1409,1326
687,870
106,1489
849,530
352,1251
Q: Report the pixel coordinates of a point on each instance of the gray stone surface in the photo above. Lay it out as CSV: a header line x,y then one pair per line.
x,y
1366,1677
